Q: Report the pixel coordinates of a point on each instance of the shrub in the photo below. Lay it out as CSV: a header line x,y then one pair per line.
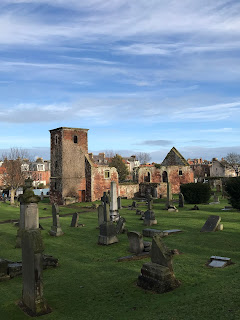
x,y
232,188
196,192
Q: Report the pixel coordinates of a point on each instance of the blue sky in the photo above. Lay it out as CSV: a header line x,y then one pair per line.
x,y
142,75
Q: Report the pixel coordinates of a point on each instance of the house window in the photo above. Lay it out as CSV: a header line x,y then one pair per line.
x,y
107,174
180,172
75,139
40,167
56,139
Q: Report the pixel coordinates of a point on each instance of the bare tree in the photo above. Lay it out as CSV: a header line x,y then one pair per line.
x,y
143,157
110,153
233,158
14,176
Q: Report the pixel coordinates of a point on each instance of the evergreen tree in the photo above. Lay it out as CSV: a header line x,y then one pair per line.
x,y
117,162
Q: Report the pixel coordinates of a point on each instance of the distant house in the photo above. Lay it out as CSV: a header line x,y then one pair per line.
x,y
201,168
221,169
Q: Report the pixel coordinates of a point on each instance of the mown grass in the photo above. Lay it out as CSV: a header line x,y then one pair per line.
x,y
90,284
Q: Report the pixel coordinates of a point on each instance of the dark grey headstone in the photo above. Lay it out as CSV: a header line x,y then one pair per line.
x,y
211,224
181,200
135,242
75,218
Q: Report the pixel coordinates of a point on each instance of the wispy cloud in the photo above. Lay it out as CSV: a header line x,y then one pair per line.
x,y
156,142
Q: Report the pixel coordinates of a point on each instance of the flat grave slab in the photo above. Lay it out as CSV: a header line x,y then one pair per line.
x,y
152,232
217,264
171,231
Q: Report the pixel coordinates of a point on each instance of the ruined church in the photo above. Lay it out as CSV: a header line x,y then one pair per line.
x,y
76,177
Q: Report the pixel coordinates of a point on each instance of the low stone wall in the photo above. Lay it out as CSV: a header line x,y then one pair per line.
x,y
128,190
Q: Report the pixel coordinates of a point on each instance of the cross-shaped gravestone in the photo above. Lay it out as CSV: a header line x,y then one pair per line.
x,y
106,201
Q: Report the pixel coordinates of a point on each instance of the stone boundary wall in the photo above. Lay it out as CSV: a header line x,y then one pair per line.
x,y
128,190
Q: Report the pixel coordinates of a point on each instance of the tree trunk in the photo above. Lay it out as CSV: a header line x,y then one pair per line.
x,y
12,196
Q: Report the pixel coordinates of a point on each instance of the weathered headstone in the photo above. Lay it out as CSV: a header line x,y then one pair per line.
x,y
134,204
181,200
100,215
149,218
158,275
114,215
74,222
32,294
211,224
218,188
216,199
107,228
3,269
135,242
119,202
29,216
169,195
56,229
42,196
120,226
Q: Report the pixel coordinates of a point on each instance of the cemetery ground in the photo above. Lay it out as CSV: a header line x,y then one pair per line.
x,y
89,283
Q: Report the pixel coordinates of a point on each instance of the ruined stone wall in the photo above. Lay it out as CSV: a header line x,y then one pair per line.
x,y
144,171
128,190
177,179
100,183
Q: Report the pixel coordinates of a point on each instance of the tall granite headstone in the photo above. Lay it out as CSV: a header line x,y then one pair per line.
x,y
169,195
29,216
32,300
107,228
114,215
56,229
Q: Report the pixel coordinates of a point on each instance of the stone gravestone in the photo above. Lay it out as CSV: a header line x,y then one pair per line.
x,y
29,216
211,224
218,188
107,228
181,200
32,247
216,199
120,227
158,275
135,242
74,222
169,195
119,202
114,215
32,294
42,196
134,204
56,229
149,215
100,215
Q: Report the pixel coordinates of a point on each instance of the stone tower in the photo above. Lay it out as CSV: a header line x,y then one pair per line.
x,y
68,149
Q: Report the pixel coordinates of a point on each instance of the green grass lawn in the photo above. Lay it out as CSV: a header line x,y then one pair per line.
x,y
90,284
